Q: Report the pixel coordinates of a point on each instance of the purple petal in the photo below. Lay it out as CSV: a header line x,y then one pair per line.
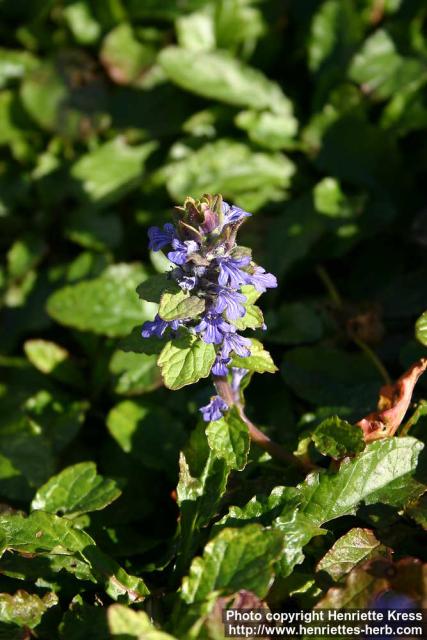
x,y
238,344
237,375
212,328
220,367
158,238
156,327
230,301
234,214
230,272
261,280
182,251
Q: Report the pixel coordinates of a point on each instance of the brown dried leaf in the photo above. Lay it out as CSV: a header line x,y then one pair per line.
x,y
393,403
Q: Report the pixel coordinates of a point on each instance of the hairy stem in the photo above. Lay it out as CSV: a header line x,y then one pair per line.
x,y
257,436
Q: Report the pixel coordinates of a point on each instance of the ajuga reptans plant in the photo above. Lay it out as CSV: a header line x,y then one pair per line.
x,y
215,281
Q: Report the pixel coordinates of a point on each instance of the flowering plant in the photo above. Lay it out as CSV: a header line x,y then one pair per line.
x,y
206,300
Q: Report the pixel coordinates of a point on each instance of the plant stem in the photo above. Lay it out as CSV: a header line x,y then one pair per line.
x,y
257,436
373,358
329,286
337,301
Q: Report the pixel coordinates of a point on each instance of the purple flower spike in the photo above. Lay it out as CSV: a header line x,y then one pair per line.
x,y
157,327
160,237
212,328
261,280
220,367
230,271
214,410
236,343
231,302
182,250
208,263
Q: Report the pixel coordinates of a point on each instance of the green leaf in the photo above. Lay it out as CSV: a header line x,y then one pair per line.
x,y
221,77
261,507
228,438
134,373
25,254
107,305
421,329
92,229
351,549
125,58
300,228
331,201
180,306
57,418
148,432
295,323
381,69
335,30
77,489
272,130
132,625
60,105
235,559
202,484
52,359
381,473
259,361
326,376
185,360
153,287
25,609
238,25
196,31
46,534
225,166
135,343
418,511
419,412
338,438
85,29
14,64
99,182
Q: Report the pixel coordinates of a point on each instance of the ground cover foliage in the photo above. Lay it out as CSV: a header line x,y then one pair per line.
x,y
123,515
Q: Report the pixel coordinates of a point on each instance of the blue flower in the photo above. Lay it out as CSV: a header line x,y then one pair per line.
x,y
233,214
230,272
238,344
214,410
182,250
157,327
220,367
159,238
212,328
230,301
261,280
